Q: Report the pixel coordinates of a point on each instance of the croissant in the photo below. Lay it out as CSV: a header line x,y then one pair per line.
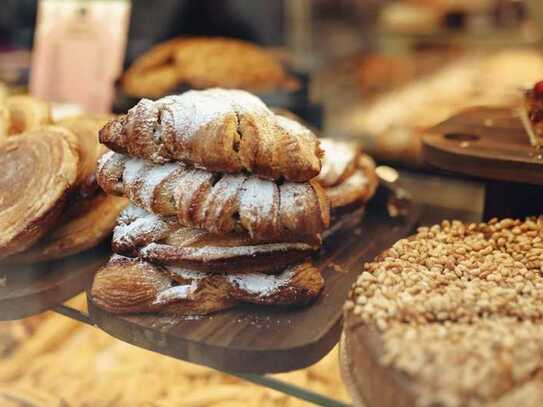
x,y
164,241
219,203
84,225
218,130
38,170
27,113
126,285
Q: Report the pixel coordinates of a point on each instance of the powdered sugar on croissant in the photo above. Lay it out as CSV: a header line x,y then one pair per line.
x,y
218,130
219,203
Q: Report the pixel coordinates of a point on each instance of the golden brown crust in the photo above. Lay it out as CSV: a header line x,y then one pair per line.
x,y
27,113
39,169
85,127
164,241
218,203
126,285
217,130
83,226
204,63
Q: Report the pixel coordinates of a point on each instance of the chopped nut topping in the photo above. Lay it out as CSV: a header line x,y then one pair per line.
x,y
466,301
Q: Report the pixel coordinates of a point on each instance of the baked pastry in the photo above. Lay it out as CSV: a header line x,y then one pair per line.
x,y
127,285
27,113
86,127
217,130
163,241
39,168
84,225
204,63
219,203
348,175
450,316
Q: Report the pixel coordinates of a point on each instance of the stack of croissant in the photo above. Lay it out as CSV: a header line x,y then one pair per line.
x,y
228,203
50,204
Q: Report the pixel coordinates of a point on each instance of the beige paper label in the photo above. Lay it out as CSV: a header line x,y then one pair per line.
x,y
79,49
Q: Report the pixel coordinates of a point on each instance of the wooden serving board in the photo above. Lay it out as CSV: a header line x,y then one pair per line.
x,y
34,288
256,339
490,144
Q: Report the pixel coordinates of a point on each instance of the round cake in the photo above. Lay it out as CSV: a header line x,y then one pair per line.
x,y
450,316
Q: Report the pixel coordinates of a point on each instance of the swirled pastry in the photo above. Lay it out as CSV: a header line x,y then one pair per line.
x,y
84,225
219,203
164,241
38,170
217,130
27,113
128,285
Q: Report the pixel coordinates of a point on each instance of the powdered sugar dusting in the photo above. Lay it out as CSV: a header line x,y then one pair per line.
x,y
258,284
338,155
192,110
176,293
133,170
136,224
187,274
259,203
290,126
153,178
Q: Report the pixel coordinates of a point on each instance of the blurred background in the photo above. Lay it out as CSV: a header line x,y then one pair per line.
x,y
376,71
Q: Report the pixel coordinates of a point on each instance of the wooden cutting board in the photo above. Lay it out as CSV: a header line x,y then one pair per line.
x,y
490,144
255,339
34,288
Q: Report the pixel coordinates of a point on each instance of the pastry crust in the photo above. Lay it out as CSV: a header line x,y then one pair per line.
x,y
85,127
164,241
83,226
204,63
348,175
39,168
217,130
127,285
27,113
218,203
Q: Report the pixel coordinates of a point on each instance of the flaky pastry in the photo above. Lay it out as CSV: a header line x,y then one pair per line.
x,y
38,170
217,130
27,113
219,203
127,285
84,225
164,241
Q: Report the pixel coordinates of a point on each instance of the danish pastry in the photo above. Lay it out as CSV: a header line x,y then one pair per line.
x,y
219,203
217,130
38,170
128,285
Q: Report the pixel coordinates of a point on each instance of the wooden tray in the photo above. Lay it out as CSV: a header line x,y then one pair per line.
x,y
491,144
255,339
31,289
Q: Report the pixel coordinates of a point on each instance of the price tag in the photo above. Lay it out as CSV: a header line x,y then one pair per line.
x,y
78,53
